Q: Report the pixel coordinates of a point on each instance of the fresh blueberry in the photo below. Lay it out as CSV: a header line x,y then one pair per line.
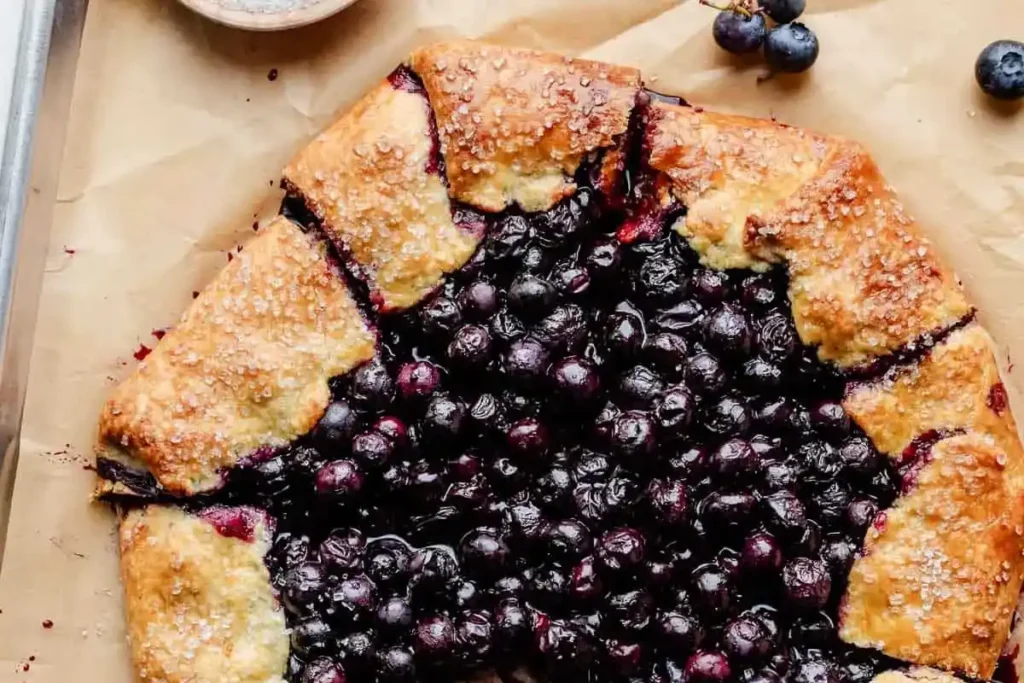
x,y
791,48
783,11
1000,69
738,33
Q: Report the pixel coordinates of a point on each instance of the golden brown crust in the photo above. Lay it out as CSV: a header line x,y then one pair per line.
x,y
941,570
956,386
366,177
515,124
917,674
246,367
863,281
199,604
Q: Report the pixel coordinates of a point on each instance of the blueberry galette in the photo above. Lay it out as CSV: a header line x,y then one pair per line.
x,y
540,373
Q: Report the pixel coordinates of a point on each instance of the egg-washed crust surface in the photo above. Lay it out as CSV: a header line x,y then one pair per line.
x,y
246,367
941,569
199,603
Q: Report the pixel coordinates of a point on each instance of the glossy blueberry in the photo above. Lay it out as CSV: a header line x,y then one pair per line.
x,y
323,670
372,450
395,663
511,624
568,539
673,412
470,346
838,554
338,482
678,632
738,33
727,331
393,428
761,555
564,644
335,428
784,11
563,330
394,615
621,550
860,514
342,551
434,638
776,337
584,581
704,374
661,279
576,379
632,435
707,666
418,380
304,587
527,438
483,552
860,457
815,670
623,335
440,316
667,351
526,361
999,69
353,599
791,48
604,259
807,583
760,375
735,457
509,239
632,610
358,649
549,587
757,291
311,636
729,416
387,561
684,318
531,296
506,327
722,509
570,279
711,589
444,418
473,636
639,386
667,501
785,514
479,300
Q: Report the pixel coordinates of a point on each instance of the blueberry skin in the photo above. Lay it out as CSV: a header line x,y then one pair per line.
x,y
737,33
1000,69
791,48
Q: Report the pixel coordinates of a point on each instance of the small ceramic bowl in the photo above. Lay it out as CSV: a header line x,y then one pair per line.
x,y
266,15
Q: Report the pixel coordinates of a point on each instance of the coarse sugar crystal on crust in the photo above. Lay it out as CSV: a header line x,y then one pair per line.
x,y
245,368
941,570
370,179
198,597
515,124
864,282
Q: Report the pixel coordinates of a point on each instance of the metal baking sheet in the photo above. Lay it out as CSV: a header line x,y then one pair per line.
x,y
38,54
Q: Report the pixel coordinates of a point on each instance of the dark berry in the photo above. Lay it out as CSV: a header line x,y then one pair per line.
x,y
683,318
506,327
624,657
814,670
591,466
761,554
632,434
813,630
434,638
549,586
721,509
487,412
784,513
387,561
444,418
738,33
707,667
531,296
358,649
711,589
394,615
735,457
372,385
338,482
783,11
860,514
506,473
509,238
673,411
567,539
838,554
393,428
728,416
311,636
571,279
395,663
1000,69
473,636
761,375
639,386
564,644
536,259
728,332
757,291
433,567
479,300
860,456
790,48
303,587
668,503
575,379
526,361
440,316
678,632
527,438
418,380
632,610
470,347
667,351
831,421
661,279
776,338
746,639
323,670
483,552
584,581
288,551
353,599
807,583
372,450
704,374
621,549
563,330
342,551
511,624
335,428
624,334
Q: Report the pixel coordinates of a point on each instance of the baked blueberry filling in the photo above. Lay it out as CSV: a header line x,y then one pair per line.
x,y
583,455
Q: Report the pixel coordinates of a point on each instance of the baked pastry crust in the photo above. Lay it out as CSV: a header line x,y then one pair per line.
x,y
245,368
941,569
515,124
370,181
917,674
939,576
199,603
864,282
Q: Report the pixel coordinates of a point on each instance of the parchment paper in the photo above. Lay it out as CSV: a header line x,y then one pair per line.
x,y
177,137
